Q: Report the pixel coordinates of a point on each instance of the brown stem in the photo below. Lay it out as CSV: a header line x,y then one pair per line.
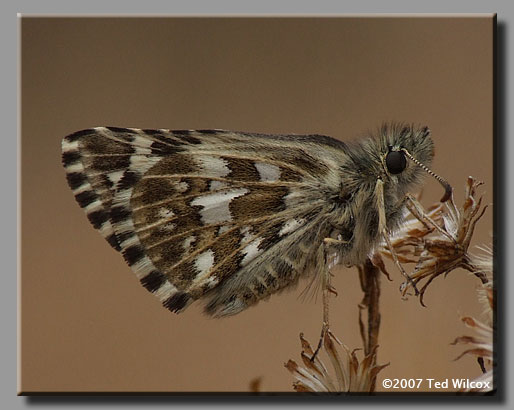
x,y
370,284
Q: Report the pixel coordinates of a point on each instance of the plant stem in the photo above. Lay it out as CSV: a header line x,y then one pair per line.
x,y
369,276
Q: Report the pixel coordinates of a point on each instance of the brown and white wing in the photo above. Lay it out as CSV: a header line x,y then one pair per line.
x,y
230,216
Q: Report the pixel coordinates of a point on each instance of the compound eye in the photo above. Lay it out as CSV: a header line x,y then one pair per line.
x,y
396,162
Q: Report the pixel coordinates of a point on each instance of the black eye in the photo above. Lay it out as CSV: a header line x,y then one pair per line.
x,y
395,162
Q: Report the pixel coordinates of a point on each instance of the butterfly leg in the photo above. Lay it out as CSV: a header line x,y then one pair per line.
x,y
327,289
382,227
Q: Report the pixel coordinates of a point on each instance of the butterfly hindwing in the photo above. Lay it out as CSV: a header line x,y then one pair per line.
x,y
231,216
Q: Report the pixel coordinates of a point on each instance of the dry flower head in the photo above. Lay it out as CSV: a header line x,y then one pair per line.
x,y
348,373
437,244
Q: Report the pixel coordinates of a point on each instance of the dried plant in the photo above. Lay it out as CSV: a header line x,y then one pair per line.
x,y
348,375
481,344
438,242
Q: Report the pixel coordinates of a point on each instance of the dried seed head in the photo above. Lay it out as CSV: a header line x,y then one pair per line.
x,y
438,251
349,375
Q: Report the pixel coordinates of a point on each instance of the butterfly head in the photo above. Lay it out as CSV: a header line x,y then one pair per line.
x,y
406,152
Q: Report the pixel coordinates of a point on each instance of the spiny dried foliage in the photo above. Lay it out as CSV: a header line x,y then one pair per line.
x,y
348,373
480,345
438,242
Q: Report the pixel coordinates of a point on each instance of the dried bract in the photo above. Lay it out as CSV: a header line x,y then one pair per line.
x,y
349,374
480,344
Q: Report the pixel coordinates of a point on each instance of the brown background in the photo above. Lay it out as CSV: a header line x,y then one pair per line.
x,y
87,324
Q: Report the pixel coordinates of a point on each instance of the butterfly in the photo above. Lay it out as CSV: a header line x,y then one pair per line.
x,y
233,217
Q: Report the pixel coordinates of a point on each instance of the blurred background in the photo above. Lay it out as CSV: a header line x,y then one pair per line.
x,y
86,323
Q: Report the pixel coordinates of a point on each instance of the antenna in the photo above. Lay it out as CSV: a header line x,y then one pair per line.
x,y
447,187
